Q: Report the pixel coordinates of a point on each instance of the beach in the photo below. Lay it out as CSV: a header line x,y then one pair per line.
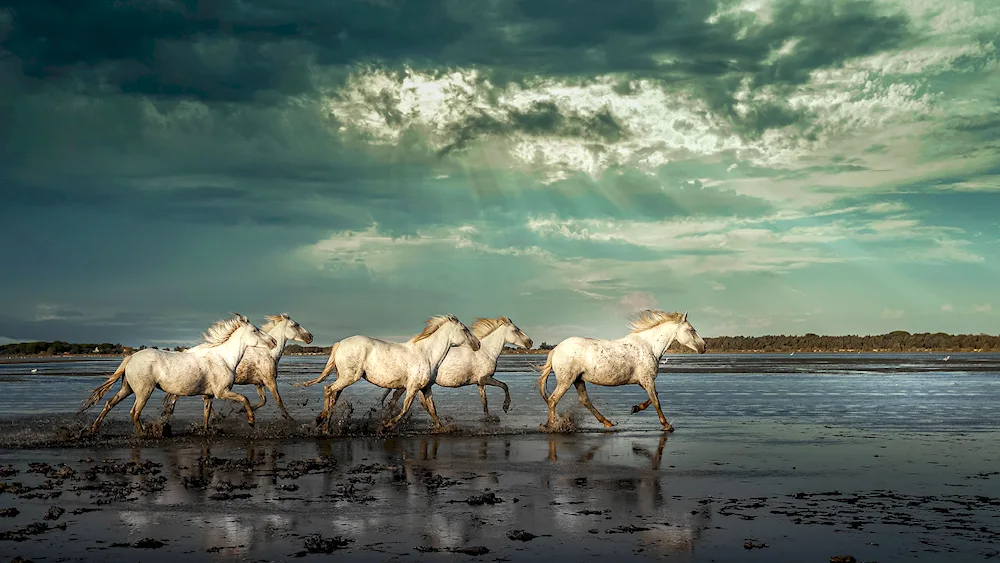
x,y
880,458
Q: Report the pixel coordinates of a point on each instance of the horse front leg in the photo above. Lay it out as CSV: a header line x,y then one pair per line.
x,y
208,410
427,400
650,387
482,398
272,386
410,393
234,396
489,380
642,406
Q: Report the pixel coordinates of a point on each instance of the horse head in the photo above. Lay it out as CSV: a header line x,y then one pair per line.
x,y
291,330
460,335
688,336
515,335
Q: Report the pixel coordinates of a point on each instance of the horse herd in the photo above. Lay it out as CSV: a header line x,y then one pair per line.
x,y
446,353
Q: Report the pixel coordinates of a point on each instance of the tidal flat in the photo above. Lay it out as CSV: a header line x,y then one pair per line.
x,y
775,458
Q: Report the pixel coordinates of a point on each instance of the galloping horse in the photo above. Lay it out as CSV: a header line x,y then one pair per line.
x,y
634,358
462,366
208,369
260,367
409,365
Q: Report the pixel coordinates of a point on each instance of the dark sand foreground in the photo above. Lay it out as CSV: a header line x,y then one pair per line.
x,y
752,493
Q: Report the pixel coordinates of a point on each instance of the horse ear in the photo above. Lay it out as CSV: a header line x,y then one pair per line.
x,y
685,318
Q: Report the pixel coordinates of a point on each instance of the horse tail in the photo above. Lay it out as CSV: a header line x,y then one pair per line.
x,y
331,364
106,386
384,395
543,379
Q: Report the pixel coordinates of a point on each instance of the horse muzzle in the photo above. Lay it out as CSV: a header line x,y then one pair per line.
x,y
309,338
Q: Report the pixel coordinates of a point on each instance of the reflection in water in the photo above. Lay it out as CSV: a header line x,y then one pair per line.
x,y
243,500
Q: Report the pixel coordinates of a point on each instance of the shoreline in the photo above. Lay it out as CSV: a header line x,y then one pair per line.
x,y
92,357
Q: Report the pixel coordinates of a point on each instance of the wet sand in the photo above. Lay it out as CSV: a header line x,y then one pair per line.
x,y
755,492
748,476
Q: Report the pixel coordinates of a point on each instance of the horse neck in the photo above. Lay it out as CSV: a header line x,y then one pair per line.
x,y
232,351
435,347
659,338
278,334
492,344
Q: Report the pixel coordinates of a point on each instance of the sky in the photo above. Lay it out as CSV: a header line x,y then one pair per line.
x,y
769,166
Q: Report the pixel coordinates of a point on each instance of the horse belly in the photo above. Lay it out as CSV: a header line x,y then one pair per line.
x,y
388,372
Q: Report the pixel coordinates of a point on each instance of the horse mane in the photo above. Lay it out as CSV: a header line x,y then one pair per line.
x,y
273,320
652,318
483,327
434,323
221,331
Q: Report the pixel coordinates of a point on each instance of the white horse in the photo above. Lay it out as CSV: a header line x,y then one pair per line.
x,y
410,365
632,359
260,367
463,367
208,369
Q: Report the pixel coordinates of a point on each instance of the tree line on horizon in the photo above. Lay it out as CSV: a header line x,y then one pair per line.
x,y
897,341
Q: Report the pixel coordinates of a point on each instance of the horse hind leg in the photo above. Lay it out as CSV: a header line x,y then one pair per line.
x,y
120,396
140,403
332,392
581,389
562,386
231,395
263,397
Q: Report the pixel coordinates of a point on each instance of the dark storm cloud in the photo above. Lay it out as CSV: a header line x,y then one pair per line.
x,y
541,119
233,50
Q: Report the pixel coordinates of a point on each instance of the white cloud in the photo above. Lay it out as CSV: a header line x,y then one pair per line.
x,y
982,308
888,313
948,307
716,286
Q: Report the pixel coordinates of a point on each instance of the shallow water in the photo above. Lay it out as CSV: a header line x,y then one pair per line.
x,y
875,391
886,458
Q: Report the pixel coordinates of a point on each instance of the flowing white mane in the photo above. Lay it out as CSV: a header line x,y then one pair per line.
x,y
274,320
433,324
483,327
652,318
221,331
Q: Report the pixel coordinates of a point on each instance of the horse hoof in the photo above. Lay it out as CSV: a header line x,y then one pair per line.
x,y
635,409
506,407
668,428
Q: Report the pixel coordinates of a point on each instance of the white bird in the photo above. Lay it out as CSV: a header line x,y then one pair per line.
x,y
34,370
946,358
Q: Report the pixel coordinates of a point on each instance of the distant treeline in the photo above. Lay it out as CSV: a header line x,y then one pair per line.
x,y
898,341
58,348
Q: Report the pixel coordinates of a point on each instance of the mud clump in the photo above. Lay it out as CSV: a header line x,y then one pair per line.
x,y
843,559
229,496
630,529
471,550
299,467
520,535
479,500
9,512
8,471
19,559
318,544
54,512
145,543
749,544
